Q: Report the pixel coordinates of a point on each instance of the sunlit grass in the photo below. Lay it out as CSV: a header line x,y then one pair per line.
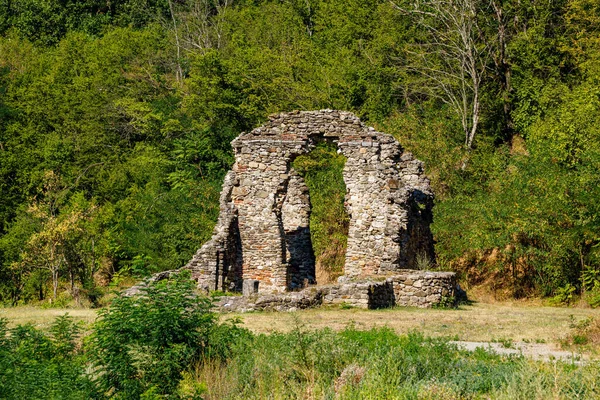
x,y
519,321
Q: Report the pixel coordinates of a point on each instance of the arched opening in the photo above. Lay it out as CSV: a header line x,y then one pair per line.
x,y
329,222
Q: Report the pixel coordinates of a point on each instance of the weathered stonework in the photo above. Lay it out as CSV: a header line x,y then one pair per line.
x,y
261,243
421,289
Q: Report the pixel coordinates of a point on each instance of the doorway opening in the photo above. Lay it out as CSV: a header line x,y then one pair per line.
x,y
329,222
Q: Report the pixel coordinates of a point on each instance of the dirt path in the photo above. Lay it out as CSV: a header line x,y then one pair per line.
x,y
536,351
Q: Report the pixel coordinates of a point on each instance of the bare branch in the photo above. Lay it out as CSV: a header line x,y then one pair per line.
x,y
454,57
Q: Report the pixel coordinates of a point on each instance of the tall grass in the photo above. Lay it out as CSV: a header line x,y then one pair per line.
x,y
167,344
378,364
301,364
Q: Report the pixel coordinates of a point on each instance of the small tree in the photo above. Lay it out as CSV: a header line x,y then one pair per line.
x,y
144,342
56,246
451,58
48,248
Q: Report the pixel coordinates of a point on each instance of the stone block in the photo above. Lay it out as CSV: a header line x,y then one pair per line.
x,y
250,287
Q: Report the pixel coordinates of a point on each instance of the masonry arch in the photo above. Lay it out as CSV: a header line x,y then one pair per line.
x,y
322,170
262,231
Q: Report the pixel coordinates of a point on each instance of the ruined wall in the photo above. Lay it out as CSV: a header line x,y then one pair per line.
x,y
421,289
424,288
410,288
217,265
263,234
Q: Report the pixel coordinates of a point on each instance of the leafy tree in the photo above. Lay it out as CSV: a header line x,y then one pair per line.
x,y
54,247
452,57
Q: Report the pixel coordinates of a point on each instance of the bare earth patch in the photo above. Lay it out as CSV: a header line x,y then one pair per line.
x,y
537,351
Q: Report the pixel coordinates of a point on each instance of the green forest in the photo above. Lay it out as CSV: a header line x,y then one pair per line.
x,y
116,119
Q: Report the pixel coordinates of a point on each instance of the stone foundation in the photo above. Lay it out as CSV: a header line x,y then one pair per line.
x,y
421,289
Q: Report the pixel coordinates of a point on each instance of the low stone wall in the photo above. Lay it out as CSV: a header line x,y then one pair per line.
x,y
361,294
424,288
410,288
308,298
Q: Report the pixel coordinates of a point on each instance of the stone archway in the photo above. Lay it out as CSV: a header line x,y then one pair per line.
x,y
262,238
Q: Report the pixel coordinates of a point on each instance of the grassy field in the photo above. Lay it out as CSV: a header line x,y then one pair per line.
x,y
517,321
477,322
42,317
401,353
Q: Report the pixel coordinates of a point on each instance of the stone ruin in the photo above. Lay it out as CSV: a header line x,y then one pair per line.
x,y
261,245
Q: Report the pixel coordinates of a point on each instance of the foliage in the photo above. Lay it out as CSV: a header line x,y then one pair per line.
x,y
36,365
380,364
564,295
131,105
145,341
451,60
347,364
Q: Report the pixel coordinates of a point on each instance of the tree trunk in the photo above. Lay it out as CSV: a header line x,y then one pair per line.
x,y
503,71
54,282
179,72
72,278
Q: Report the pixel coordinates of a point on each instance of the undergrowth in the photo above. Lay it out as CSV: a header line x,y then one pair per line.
x,y
167,344
379,364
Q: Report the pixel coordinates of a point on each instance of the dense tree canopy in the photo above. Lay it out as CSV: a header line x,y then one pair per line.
x,y
116,118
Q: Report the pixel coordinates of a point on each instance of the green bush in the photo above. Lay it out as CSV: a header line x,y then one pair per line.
x,y
37,365
142,344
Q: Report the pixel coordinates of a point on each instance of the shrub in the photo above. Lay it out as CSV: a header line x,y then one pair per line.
x,y
35,365
141,344
564,295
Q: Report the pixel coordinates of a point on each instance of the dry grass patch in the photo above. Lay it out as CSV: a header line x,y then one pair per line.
x,y
485,322
478,322
42,317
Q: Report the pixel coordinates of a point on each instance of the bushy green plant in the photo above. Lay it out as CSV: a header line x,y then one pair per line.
x,y
38,365
147,340
590,283
593,296
564,295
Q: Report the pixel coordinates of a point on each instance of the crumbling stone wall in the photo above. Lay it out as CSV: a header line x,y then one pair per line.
x,y
408,288
262,239
421,289
295,216
218,263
